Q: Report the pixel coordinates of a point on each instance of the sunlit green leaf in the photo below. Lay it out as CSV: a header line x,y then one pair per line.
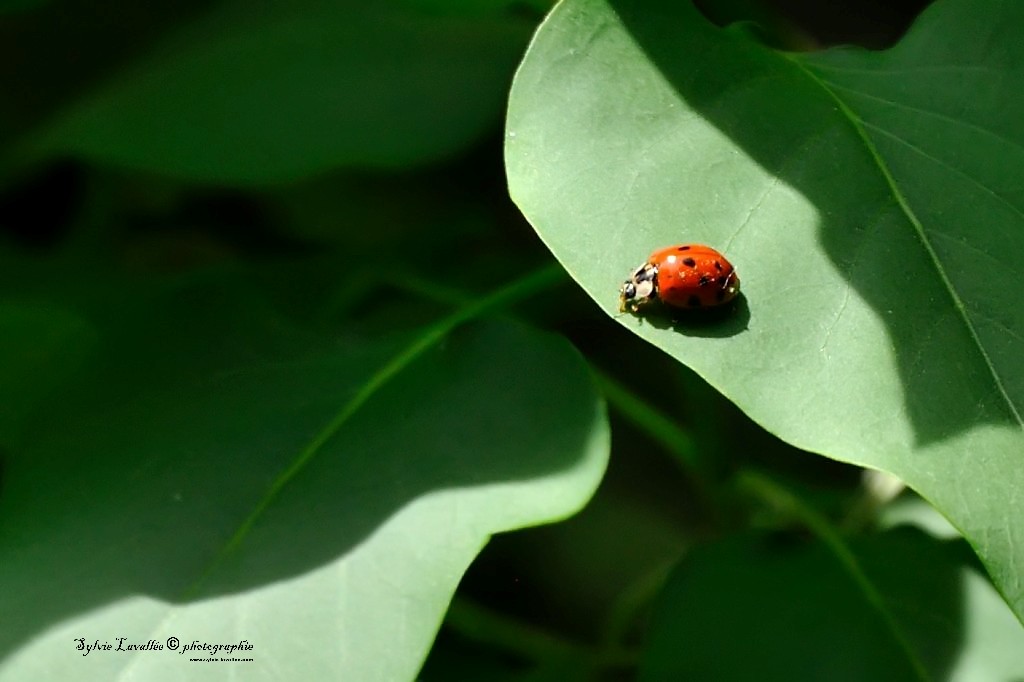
x,y
870,200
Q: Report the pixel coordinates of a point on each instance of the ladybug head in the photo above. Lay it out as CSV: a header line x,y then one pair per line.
x,y
639,289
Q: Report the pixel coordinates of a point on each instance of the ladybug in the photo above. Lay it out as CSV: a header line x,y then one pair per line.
x,y
682,276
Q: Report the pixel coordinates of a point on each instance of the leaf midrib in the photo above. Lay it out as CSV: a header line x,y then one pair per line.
x,y
858,126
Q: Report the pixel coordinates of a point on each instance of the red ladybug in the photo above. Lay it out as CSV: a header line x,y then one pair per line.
x,y
683,276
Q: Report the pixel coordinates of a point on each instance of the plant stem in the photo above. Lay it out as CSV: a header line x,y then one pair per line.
x,y
651,421
631,602
666,432
490,627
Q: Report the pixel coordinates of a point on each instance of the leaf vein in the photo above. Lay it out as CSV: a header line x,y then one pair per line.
x,y
859,126
988,190
929,112
938,68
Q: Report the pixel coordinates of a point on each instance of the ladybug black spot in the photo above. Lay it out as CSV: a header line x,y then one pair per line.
x,y
690,262
705,280
694,302
684,248
718,266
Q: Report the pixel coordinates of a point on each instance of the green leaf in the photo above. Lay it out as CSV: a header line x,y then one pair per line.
x,y
870,201
774,608
479,6
20,5
221,476
41,346
247,96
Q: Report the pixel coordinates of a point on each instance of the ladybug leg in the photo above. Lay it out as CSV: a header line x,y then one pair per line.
x,y
727,283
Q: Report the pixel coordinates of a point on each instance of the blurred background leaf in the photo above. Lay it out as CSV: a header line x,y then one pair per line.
x,y
244,94
20,5
788,609
216,463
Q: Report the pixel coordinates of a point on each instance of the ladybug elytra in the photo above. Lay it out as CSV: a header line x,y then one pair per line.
x,y
682,276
